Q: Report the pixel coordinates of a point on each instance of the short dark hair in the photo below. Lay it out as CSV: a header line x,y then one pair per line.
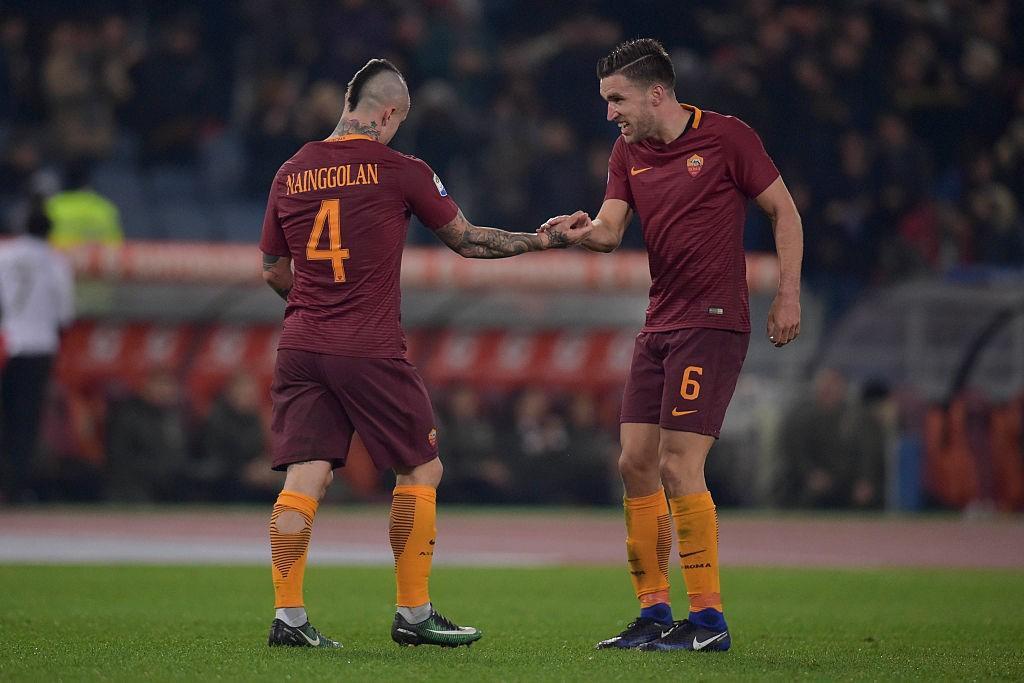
x,y
643,60
363,76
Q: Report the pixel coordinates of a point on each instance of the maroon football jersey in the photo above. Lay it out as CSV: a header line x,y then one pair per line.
x,y
340,209
691,195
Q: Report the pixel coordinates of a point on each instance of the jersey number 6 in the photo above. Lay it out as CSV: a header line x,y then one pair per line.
x,y
330,213
690,388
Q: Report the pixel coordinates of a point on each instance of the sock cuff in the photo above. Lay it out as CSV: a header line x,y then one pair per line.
x,y
427,494
655,500
692,503
297,501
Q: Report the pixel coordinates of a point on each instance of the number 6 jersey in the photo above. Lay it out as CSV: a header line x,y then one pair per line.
x,y
340,209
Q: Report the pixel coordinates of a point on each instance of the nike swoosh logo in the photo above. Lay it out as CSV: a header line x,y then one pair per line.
x,y
633,170
695,552
309,640
460,632
701,644
678,413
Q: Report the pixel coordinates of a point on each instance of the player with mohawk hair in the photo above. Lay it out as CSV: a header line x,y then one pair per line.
x,y
339,210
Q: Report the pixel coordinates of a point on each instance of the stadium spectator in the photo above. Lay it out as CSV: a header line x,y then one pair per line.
x,y
231,441
174,95
816,442
589,473
536,442
871,439
147,444
36,304
475,471
81,215
84,85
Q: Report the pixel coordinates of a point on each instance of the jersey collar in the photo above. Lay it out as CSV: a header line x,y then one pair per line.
x,y
351,136
694,121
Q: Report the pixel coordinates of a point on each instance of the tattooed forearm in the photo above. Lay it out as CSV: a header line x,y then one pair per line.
x,y
471,241
357,127
277,272
494,243
269,261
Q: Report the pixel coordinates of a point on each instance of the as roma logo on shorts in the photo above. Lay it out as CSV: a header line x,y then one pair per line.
x,y
432,438
694,164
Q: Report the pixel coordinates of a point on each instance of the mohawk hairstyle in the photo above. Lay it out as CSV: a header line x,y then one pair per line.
x,y
363,76
643,60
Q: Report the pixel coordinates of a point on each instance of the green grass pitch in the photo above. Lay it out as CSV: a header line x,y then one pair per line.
x,y
153,623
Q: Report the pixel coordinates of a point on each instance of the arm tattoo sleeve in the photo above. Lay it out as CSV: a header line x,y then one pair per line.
x,y
269,261
471,241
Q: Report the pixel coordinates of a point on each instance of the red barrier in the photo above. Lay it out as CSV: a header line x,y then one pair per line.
x,y
424,267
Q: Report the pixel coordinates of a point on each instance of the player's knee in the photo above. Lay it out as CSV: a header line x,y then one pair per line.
x,y
427,474
633,466
309,478
680,468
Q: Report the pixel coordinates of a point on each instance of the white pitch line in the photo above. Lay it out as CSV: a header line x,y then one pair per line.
x,y
77,549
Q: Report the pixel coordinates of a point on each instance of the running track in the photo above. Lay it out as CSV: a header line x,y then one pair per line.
x,y
499,538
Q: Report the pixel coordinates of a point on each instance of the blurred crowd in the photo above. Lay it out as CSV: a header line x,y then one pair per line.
x,y
155,445
830,450
899,126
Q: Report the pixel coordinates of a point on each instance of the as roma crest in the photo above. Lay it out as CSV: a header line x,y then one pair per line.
x,y
694,164
432,438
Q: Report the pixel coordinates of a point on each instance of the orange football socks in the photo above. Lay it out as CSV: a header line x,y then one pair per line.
x,y
648,547
412,531
291,524
697,528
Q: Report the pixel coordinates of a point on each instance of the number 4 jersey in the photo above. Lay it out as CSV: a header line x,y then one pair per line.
x,y
340,209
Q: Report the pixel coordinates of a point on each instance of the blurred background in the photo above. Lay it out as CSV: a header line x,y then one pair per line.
x,y
153,130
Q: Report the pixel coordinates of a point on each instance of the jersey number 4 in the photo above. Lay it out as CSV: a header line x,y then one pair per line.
x,y
329,214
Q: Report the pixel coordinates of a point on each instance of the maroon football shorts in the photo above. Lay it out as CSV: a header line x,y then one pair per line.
x,y
319,400
684,379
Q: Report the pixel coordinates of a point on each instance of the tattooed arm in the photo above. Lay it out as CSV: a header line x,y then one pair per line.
x,y
471,241
277,272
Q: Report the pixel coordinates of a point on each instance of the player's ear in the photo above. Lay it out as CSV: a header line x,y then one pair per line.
x,y
386,116
656,94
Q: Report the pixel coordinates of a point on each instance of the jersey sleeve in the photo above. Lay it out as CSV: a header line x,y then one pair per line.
x,y
618,175
272,240
426,196
751,168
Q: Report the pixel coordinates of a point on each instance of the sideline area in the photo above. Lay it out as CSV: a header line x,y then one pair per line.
x,y
499,537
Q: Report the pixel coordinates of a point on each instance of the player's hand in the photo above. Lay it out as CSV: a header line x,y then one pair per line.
x,y
784,319
564,231
554,220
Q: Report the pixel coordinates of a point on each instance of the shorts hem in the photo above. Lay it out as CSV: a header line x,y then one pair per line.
x,y
706,431
623,419
281,466
393,463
